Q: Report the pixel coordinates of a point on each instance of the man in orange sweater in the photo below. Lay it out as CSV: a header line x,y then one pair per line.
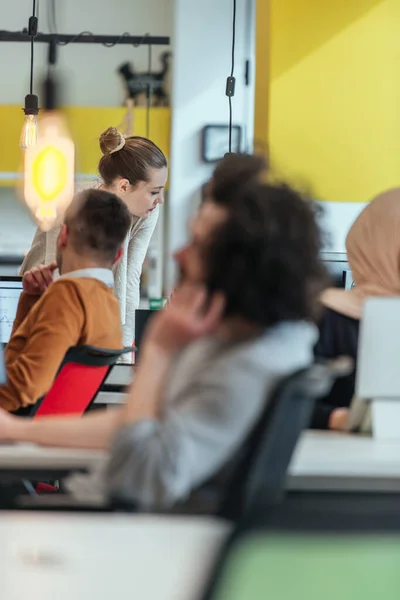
x,y
79,308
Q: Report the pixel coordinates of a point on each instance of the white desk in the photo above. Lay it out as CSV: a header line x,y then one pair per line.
x,y
322,461
30,456
121,376
46,556
326,461
110,398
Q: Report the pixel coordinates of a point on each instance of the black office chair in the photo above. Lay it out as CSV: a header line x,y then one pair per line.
x,y
260,475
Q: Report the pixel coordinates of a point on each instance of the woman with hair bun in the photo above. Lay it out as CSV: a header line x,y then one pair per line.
x,y
136,170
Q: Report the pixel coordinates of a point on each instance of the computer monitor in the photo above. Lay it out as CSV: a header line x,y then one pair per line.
x,y
10,291
142,319
378,373
376,403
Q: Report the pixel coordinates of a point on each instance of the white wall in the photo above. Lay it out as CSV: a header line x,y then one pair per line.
x,y
16,225
202,60
337,218
90,71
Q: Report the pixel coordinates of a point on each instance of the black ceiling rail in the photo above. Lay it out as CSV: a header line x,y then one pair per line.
x,y
65,39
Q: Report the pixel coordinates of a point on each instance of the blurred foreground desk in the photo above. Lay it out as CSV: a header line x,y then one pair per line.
x,y
328,461
57,555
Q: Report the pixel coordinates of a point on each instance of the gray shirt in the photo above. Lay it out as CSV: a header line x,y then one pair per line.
x,y
213,397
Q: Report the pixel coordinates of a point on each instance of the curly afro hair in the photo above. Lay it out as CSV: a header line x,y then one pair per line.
x,y
265,257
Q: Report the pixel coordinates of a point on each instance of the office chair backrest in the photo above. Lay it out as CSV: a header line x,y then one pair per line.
x,y
260,474
80,377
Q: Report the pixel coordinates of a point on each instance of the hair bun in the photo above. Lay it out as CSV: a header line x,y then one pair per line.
x,y
111,140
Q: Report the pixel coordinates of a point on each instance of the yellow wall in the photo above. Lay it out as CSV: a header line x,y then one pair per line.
x,y
262,74
85,124
334,118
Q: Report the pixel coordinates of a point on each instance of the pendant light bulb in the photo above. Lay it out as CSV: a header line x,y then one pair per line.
x,y
49,171
30,127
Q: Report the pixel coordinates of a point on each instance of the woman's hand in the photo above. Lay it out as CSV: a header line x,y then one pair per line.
x,y
338,419
37,280
188,317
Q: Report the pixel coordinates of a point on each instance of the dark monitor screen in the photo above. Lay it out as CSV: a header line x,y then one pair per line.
x,y
142,318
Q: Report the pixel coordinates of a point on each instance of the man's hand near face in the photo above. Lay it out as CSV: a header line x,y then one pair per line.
x,y
189,316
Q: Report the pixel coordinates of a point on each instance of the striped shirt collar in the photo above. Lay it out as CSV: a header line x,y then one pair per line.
x,y
104,275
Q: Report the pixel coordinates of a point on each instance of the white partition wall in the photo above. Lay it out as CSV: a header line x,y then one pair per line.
x,y
201,39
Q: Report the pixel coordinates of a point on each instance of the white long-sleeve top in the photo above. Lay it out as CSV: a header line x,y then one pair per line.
x,y
127,271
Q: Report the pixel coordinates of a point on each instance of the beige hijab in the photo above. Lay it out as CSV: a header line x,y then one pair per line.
x,y
373,252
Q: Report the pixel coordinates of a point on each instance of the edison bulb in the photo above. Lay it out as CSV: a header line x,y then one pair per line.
x,y
49,171
30,127
29,132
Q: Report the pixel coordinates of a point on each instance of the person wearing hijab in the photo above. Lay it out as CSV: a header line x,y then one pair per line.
x,y
373,253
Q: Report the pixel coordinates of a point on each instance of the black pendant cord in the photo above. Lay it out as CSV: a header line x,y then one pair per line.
x,y
230,83
32,31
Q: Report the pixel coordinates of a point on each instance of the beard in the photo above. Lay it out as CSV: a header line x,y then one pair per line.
x,y
59,260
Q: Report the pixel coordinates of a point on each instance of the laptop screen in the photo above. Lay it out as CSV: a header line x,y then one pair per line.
x,y
10,291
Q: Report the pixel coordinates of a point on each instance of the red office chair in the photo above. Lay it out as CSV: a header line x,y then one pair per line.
x,y
78,381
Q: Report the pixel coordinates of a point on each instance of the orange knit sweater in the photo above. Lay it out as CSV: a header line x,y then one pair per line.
x,y
71,312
